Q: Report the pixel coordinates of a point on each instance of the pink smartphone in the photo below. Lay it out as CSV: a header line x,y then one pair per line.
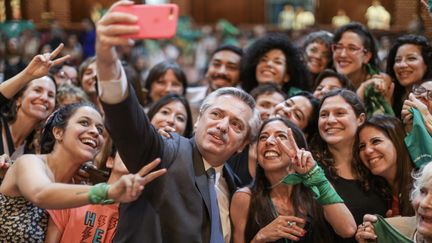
x,y
155,21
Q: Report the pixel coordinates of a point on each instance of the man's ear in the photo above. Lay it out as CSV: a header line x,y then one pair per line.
x,y
58,133
361,119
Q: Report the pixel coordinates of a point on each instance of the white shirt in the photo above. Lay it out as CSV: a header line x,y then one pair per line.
x,y
223,200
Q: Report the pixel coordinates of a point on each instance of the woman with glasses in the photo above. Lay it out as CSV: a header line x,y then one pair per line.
x,y
317,52
355,56
409,63
420,98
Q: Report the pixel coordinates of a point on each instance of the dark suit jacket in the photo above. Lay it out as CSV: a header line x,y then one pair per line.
x,y
176,206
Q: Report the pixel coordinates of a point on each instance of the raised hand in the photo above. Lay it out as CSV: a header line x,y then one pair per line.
x,y
301,159
165,131
365,231
286,227
5,163
413,102
129,187
40,64
111,27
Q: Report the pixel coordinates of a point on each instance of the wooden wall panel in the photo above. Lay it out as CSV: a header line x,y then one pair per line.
x,y
235,11
356,10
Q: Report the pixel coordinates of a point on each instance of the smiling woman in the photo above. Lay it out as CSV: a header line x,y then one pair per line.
x,y
383,152
275,209
340,114
72,136
26,100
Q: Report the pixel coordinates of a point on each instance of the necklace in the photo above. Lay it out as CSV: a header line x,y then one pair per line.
x,y
276,184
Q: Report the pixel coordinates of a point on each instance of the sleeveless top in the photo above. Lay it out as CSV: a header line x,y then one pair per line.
x,y
21,220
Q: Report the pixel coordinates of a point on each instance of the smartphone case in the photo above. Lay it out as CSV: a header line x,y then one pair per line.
x,y
155,21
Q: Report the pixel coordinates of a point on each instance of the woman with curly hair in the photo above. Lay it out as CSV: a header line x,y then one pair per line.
x,y
409,63
274,59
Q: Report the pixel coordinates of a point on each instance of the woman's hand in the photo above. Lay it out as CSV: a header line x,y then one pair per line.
x,y
365,231
382,83
165,131
40,64
413,102
301,159
5,163
286,227
129,187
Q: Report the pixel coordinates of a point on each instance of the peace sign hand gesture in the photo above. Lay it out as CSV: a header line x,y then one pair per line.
x,y
129,187
301,160
40,64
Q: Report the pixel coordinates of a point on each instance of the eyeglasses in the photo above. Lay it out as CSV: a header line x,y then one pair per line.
x,y
350,49
419,90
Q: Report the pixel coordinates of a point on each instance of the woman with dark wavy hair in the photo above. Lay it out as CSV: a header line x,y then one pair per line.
x,y
277,209
341,113
409,63
383,152
355,56
274,59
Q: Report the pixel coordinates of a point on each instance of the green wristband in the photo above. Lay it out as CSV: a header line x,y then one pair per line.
x,y
316,180
98,194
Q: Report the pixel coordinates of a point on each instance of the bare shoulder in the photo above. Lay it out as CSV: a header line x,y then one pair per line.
x,y
242,196
28,159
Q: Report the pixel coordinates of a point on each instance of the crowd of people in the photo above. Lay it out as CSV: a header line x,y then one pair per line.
x,y
281,142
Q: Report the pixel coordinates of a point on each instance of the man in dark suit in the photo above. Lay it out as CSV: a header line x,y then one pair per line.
x,y
184,205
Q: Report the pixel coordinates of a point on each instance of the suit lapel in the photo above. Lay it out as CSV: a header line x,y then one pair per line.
x,y
201,177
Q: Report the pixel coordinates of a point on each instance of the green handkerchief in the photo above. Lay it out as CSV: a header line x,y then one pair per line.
x,y
387,234
376,103
419,141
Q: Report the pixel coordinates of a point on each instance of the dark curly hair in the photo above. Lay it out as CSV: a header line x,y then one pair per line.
x,y
59,118
294,65
155,107
368,40
426,52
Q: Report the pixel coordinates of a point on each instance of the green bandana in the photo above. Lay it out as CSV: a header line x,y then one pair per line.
x,y
315,179
419,141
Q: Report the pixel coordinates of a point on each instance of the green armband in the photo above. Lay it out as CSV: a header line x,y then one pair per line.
x,y
98,194
315,179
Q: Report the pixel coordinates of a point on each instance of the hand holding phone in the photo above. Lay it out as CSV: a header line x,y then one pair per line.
x,y
155,21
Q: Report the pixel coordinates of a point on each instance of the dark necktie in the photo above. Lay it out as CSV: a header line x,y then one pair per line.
x,y
216,235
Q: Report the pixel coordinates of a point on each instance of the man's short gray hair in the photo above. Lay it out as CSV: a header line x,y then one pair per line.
x,y
254,123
